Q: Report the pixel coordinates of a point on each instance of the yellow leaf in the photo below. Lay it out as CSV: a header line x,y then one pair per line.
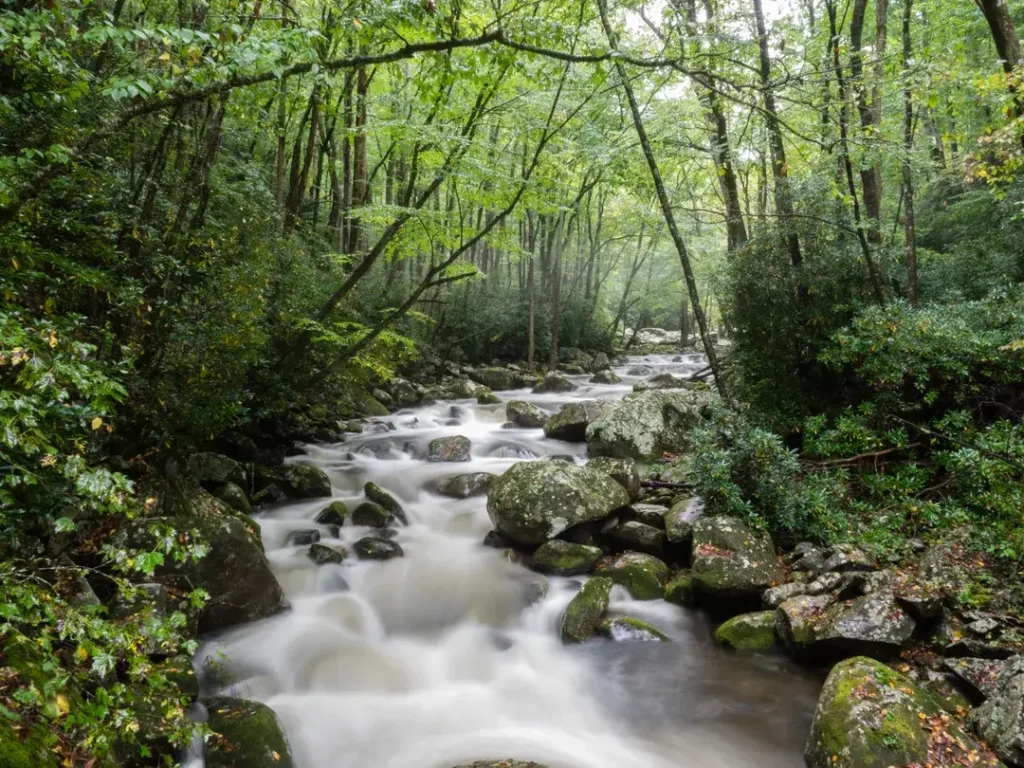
x,y
97,423
357,23
52,341
276,756
63,707
166,56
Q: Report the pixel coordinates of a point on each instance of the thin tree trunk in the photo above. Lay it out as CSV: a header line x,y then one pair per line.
x,y
556,289
908,147
531,245
869,110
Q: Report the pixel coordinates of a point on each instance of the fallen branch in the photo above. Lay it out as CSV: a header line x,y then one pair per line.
x,y
660,484
863,456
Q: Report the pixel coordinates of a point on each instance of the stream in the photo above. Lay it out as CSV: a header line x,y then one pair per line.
x,y
450,654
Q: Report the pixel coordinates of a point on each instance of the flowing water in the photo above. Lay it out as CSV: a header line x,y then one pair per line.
x,y
450,655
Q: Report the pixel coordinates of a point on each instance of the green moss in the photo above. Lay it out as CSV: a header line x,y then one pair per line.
x,y
29,749
178,670
484,396
643,575
628,629
246,735
680,589
583,614
749,632
333,514
563,558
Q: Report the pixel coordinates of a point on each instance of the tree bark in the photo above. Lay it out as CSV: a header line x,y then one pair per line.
x,y
908,148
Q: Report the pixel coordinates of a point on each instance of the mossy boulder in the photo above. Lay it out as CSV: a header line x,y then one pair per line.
x,y
484,396
563,558
870,716
233,495
333,514
571,422
584,612
600,362
526,415
646,425
680,519
302,481
214,469
749,632
324,554
26,748
371,515
467,485
454,448
554,382
622,471
679,589
245,734
378,495
605,377
624,629
639,537
374,548
731,565
537,500
644,576
495,378
1000,720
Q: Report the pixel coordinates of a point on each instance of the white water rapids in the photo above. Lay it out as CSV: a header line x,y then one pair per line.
x,y
447,656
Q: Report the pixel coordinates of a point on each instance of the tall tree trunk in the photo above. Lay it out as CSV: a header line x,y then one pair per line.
x,y
908,148
869,109
666,205
531,245
282,143
556,289
1004,35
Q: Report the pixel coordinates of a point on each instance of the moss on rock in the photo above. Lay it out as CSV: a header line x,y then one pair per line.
x,y
333,514
584,612
570,423
246,734
378,495
749,632
524,414
627,629
680,589
731,563
643,575
622,471
563,558
646,425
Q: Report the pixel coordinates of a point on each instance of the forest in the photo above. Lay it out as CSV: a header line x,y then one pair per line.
x,y
232,233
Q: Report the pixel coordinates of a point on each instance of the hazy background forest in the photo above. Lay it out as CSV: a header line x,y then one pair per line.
x,y
216,214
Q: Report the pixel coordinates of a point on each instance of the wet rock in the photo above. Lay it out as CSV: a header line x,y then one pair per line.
x,y
648,514
232,495
640,537
495,378
626,629
978,677
814,627
322,554
383,396
731,565
600,363
660,381
214,469
554,382
501,764
333,514
572,370
680,589
303,538
749,632
846,559
571,422
605,377
679,520
245,734
466,486
535,501
524,414
870,715
484,396
268,495
379,496
403,392
495,540
1000,720
563,558
640,370
584,612
622,471
461,389
646,425
301,481
776,596
371,514
643,575
455,448
371,406
374,548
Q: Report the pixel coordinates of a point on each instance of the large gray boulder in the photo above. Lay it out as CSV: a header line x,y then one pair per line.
x,y
570,424
455,448
622,471
1000,720
524,414
644,426
467,485
495,378
212,469
535,501
301,481
870,715
554,382
731,565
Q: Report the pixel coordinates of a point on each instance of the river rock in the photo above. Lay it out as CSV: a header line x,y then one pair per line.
x,y
776,596
679,520
679,589
403,392
245,734
563,558
524,414
371,514
622,471
301,481
626,629
1000,720
484,396
322,554
646,425
374,548
640,537
640,370
600,363
731,565
465,486
495,378
584,612
643,575
379,496
660,381
535,501
232,495
571,422
648,514
749,631
605,377
554,382
303,538
846,558
870,715
214,469
333,514
979,677
500,764
455,448
819,627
